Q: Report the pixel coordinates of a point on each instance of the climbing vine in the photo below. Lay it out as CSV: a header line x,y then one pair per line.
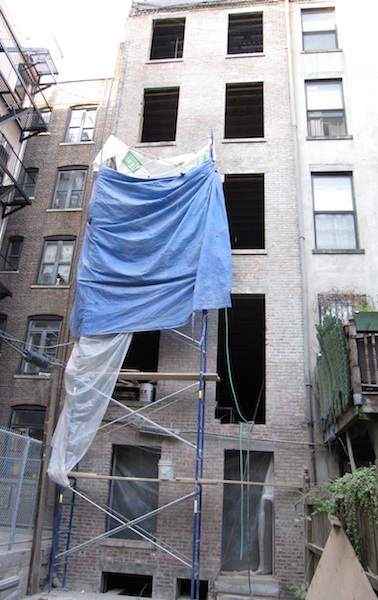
x,y
348,496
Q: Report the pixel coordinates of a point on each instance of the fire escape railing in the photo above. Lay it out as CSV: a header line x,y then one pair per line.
x,y
12,195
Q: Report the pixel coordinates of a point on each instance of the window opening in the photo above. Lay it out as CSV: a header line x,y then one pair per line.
x,y
244,196
131,499
246,337
318,28
244,110
255,550
56,262
69,189
325,109
81,126
160,115
167,38
13,254
28,184
127,584
28,420
245,33
43,338
184,589
334,213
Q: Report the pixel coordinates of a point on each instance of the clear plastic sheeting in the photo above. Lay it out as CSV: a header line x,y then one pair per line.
x,y
90,377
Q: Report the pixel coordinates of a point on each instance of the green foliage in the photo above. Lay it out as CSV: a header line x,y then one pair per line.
x,y
347,497
300,590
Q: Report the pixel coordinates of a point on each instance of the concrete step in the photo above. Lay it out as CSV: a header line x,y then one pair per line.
x,y
239,584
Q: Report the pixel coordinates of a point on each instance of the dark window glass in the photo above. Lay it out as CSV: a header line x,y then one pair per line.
x,y
160,115
244,110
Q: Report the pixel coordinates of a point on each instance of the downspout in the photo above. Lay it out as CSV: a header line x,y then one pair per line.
x,y
302,258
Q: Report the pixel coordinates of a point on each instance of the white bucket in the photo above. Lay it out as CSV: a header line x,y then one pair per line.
x,y
146,392
166,468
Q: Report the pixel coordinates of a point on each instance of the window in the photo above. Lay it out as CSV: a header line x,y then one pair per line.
x,y
13,255
167,38
243,326
43,338
69,189
131,499
325,109
56,262
160,115
245,33
318,27
244,110
245,208
334,213
28,419
46,116
5,152
81,126
28,184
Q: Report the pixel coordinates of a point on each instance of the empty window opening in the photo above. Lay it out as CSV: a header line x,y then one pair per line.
x,y
132,499
319,32
249,509
242,367
244,110
245,209
127,585
245,33
160,115
167,39
184,589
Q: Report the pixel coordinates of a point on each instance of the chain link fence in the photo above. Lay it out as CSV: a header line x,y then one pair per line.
x,y
20,463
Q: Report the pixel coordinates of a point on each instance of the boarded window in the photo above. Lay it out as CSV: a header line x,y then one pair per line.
x,y
167,39
245,208
241,361
244,110
160,115
245,33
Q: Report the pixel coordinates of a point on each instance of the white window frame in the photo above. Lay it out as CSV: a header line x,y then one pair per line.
x,y
69,197
43,338
81,125
334,211
325,108
56,263
319,30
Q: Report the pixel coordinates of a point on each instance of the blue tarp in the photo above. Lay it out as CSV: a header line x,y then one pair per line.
x,y
155,250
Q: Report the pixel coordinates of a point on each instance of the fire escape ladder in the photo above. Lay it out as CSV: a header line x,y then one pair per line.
x,y
12,195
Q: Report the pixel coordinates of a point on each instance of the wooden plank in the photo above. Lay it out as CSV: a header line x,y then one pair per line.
x,y
314,548
125,375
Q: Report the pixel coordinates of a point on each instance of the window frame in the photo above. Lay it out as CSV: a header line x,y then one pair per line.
x,y
81,128
26,427
351,212
235,30
322,117
158,26
71,190
54,275
155,112
34,328
238,113
245,210
323,34
12,259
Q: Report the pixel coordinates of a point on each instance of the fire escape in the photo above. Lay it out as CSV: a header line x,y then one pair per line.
x,y
24,74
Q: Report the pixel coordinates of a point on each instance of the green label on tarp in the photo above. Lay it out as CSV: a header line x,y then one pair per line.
x,y
131,162
366,321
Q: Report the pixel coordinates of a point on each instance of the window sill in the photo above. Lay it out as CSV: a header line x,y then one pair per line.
x,y
3,271
242,140
257,252
64,209
353,251
322,138
49,287
163,60
153,144
126,544
245,54
88,143
331,50
39,376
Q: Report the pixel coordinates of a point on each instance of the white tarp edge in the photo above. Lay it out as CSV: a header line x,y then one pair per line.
x,y
90,376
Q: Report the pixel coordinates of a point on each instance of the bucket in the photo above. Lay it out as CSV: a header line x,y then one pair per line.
x,y
166,468
146,392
